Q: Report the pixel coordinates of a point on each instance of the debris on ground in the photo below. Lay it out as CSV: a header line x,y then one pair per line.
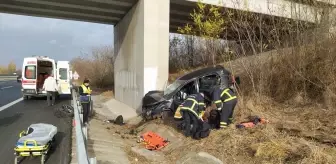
x,y
118,121
64,111
253,121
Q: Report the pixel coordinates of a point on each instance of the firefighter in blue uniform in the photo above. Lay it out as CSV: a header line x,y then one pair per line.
x,y
190,112
225,99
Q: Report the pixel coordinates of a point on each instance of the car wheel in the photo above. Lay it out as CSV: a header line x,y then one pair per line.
x,y
145,117
167,116
25,97
157,116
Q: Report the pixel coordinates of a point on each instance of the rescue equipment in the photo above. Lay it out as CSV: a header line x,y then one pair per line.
x,y
36,141
153,141
253,122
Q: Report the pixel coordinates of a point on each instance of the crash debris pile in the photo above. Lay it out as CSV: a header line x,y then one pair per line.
x,y
64,111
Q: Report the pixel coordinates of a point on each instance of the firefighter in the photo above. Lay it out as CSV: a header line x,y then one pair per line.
x,y
225,99
85,92
178,118
190,112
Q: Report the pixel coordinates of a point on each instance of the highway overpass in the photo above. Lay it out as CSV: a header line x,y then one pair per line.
x,y
141,33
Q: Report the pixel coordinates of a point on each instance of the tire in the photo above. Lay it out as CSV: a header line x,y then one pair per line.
x,y
25,97
58,96
52,144
166,114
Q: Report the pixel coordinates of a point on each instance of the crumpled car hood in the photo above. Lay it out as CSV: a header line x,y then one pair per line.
x,y
153,98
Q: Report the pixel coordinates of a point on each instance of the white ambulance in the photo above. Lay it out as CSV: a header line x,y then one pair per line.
x,y
35,70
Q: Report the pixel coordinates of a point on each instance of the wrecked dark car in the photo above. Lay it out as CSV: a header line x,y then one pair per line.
x,y
156,103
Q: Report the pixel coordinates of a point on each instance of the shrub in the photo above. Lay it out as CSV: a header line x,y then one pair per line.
x,y
98,67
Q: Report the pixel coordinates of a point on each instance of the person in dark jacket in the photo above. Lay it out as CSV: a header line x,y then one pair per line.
x,y
190,112
225,99
85,99
214,119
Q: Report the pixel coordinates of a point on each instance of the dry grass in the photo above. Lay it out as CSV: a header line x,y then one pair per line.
x,y
97,67
108,94
302,134
295,89
135,158
288,138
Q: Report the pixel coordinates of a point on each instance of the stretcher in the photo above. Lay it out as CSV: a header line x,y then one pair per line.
x,y
36,141
153,141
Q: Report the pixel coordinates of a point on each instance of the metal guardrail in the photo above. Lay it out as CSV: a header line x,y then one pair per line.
x,y
8,77
81,133
4,76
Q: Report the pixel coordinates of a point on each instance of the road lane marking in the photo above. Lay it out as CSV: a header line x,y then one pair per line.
x,y
10,104
7,87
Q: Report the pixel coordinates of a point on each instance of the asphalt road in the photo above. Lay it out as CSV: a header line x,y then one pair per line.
x,y
19,116
9,91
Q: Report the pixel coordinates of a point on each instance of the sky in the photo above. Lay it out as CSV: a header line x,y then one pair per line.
x,y
24,36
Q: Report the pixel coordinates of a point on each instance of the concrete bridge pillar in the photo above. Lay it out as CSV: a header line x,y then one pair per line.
x,y
141,43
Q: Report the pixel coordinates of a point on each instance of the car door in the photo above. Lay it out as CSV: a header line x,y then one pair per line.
x,y
63,77
188,88
207,83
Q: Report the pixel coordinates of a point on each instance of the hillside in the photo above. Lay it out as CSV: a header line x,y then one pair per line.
x,y
294,88
301,128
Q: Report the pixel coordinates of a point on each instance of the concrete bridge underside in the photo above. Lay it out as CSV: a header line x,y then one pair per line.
x,y
141,33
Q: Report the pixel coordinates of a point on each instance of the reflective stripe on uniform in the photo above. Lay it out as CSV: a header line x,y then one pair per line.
x,y
178,114
86,90
228,94
202,114
192,107
218,101
201,104
223,124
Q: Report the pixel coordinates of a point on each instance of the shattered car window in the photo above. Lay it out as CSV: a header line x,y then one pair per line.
x,y
172,87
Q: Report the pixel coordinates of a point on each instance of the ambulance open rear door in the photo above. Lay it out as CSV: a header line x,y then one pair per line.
x,y
63,77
